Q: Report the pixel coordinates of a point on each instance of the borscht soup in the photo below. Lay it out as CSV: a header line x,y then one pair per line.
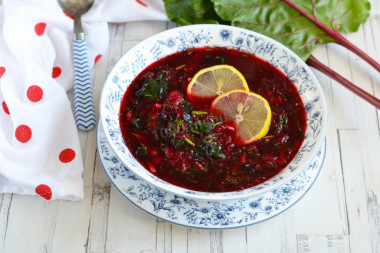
x,y
178,139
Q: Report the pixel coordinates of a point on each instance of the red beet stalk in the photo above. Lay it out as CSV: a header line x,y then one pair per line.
x,y
313,62
337,36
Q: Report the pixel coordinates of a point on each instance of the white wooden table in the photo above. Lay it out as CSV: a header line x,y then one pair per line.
x,y
339,214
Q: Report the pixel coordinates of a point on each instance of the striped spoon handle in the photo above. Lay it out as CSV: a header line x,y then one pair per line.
x,y
83,98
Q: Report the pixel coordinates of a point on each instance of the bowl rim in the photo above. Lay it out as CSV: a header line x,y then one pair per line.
x,y
211,195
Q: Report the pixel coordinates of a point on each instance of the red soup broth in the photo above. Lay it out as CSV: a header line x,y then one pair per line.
x,y
177,138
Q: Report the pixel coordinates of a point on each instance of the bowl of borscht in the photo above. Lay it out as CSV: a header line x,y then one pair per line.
x,y
178,143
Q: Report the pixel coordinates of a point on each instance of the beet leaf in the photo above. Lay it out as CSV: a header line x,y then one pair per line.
x,y
298,24
282,22
185,12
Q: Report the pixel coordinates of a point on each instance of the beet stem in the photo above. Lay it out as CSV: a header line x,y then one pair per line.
x,y
337,36
313,62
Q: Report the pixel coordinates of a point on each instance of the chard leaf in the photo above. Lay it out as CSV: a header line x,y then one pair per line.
x,y
150,89
277,19
203,126
215,151
153,89
136,123
185,12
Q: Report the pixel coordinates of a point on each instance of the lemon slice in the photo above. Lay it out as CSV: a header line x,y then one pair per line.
x,y
216,80
249,111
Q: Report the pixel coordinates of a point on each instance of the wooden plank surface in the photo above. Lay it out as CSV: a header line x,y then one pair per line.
x,y
341,212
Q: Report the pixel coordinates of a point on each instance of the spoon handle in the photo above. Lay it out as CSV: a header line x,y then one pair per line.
x,y
83,98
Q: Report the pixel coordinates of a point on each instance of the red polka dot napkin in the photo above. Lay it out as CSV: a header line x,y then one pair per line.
x,y
40,152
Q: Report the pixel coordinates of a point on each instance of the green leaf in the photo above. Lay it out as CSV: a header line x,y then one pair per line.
x,y
154,88
277,19
136,123
203,126
150,89
215,151
280,21
186,12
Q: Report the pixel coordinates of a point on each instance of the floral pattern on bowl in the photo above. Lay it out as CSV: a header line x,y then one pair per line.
x,y
202,214
181,38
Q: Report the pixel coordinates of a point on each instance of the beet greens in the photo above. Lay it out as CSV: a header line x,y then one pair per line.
x,y
298,24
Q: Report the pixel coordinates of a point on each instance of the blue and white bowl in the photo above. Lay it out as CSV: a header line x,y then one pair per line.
x,y
182,38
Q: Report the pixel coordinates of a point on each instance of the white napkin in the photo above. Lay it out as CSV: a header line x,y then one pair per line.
x,y
39,146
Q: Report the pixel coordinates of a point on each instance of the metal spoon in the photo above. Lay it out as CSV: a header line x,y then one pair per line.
x,y
83,98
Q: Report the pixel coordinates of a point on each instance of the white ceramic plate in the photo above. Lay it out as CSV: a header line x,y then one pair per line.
x,y
202,214
181,38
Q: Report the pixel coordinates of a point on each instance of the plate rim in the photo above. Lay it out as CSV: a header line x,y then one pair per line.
x,y
303,192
